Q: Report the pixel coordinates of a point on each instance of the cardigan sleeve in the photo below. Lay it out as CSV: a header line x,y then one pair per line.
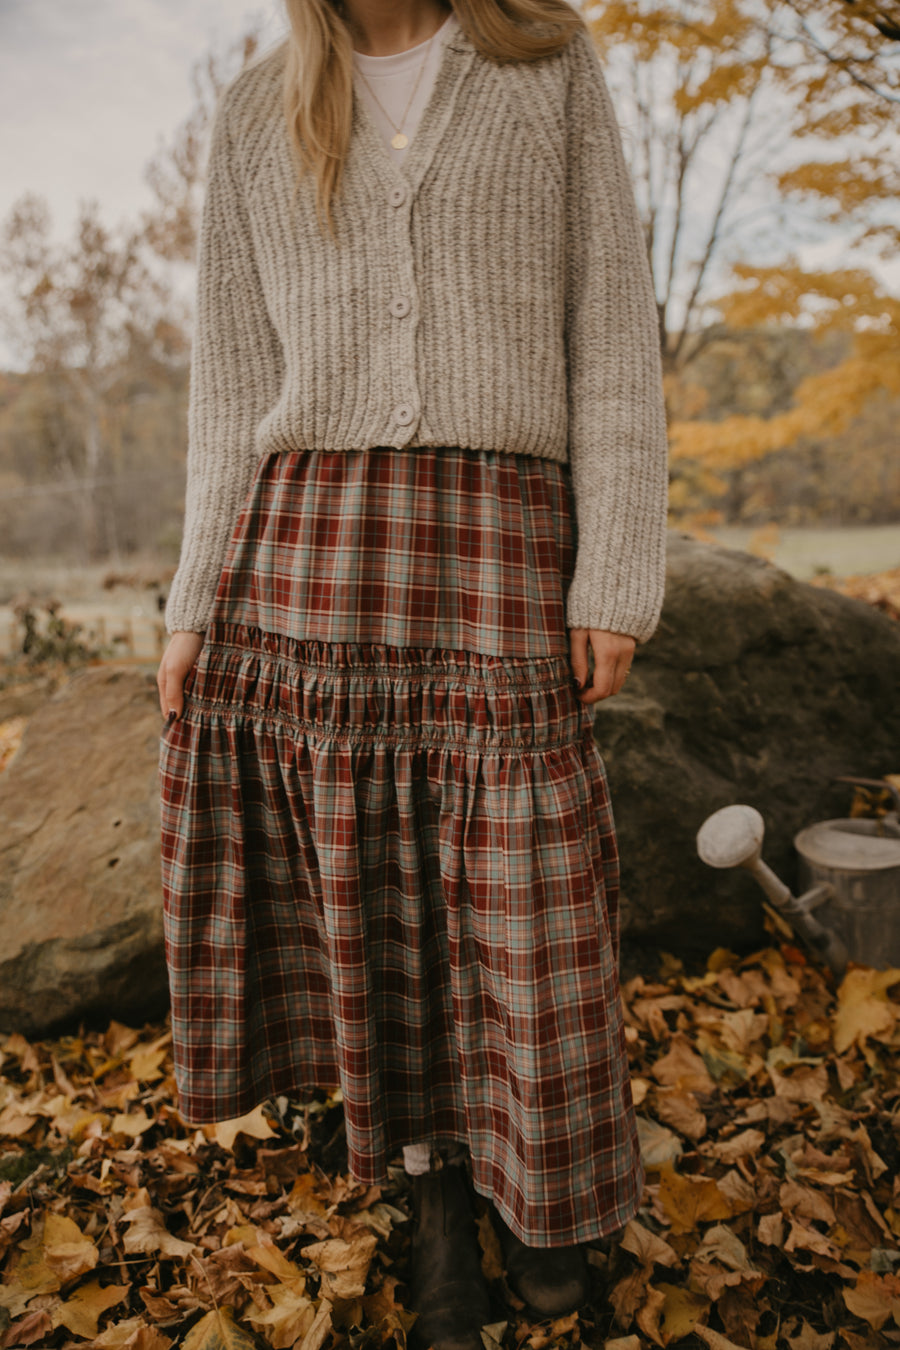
x,y
616,412
237,368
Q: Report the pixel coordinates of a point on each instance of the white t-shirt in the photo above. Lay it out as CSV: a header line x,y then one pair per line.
x,y
392,78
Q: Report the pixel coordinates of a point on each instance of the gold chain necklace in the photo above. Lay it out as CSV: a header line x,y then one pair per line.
x,y
400,139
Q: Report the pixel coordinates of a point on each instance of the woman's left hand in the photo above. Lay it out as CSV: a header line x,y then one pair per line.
x,y
613,653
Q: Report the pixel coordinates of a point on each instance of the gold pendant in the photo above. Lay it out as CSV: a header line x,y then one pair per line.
x,y
399,141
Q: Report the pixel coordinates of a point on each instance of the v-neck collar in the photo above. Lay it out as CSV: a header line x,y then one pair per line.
x,y
457,54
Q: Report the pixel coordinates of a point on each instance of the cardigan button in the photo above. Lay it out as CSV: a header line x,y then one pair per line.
x,y
404,414
400,306
397,196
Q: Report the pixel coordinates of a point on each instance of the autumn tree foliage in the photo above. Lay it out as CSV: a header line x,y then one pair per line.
x,y
754,127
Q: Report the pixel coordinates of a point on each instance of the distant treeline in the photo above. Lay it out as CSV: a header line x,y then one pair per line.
x,y
94,479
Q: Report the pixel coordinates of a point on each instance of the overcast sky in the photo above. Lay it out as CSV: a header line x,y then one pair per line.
x,y
90,89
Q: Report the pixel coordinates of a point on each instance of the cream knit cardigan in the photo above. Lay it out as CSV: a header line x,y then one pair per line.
x,y
493,292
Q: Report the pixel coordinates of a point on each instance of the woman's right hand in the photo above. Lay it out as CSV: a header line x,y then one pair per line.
x,y
178,658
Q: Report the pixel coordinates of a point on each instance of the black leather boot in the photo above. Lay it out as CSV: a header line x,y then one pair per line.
x,y
447,1288
551,1280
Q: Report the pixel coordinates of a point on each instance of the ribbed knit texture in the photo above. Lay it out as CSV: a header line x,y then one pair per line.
x,y
492,292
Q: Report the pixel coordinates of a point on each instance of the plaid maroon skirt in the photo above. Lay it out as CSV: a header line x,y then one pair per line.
x,y
389,861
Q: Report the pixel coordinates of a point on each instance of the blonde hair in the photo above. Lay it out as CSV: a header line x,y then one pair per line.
x,y
318,73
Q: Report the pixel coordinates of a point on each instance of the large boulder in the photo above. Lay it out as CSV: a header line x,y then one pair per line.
x,y
80,890
755,688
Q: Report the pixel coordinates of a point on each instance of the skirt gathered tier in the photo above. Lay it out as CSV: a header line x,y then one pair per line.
x,y
389,859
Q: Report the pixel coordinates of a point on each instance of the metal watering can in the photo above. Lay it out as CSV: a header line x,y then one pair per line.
x,y
850,868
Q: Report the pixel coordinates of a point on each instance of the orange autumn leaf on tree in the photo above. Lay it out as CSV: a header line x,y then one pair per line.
x,y
743,120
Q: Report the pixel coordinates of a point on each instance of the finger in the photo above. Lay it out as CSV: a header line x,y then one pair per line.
x,y
578,654
174,694
623,666
161,688
604,676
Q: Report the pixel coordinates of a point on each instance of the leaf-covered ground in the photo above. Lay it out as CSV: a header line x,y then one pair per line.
x,y
880,589
767,1098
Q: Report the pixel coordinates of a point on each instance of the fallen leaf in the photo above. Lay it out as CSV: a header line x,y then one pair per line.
x,y
320,1330
31,1329
682,1310
147,1231
748,1142
254,1124
82,1310
863,1008
132,1124
132,1334
680,1110
218,1331
658,1144
344,1265
288,1319
649,1248
682,1068
689,1201
874,1298
146,1062
715,1340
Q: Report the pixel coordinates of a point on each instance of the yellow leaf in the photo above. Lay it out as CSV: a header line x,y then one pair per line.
x,y
304,1198
383,1311
863,1008
650,1312
253,1124
15,1298
218,1331
267,1255
132,1334
133,1123
689,1201
682,1068
344,1264
320,1329
649,1248
146,1061
748,1142
682,1309
119,1038
802,1084
724,1248
147,1231
680,1110
245,1233
659,1146
15,1122
875,1298
290,1317
81,1311
66,1249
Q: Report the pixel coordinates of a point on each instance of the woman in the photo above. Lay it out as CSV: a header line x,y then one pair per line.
x,y
426,486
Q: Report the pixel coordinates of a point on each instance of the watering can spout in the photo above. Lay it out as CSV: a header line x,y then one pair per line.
x,y
733,837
